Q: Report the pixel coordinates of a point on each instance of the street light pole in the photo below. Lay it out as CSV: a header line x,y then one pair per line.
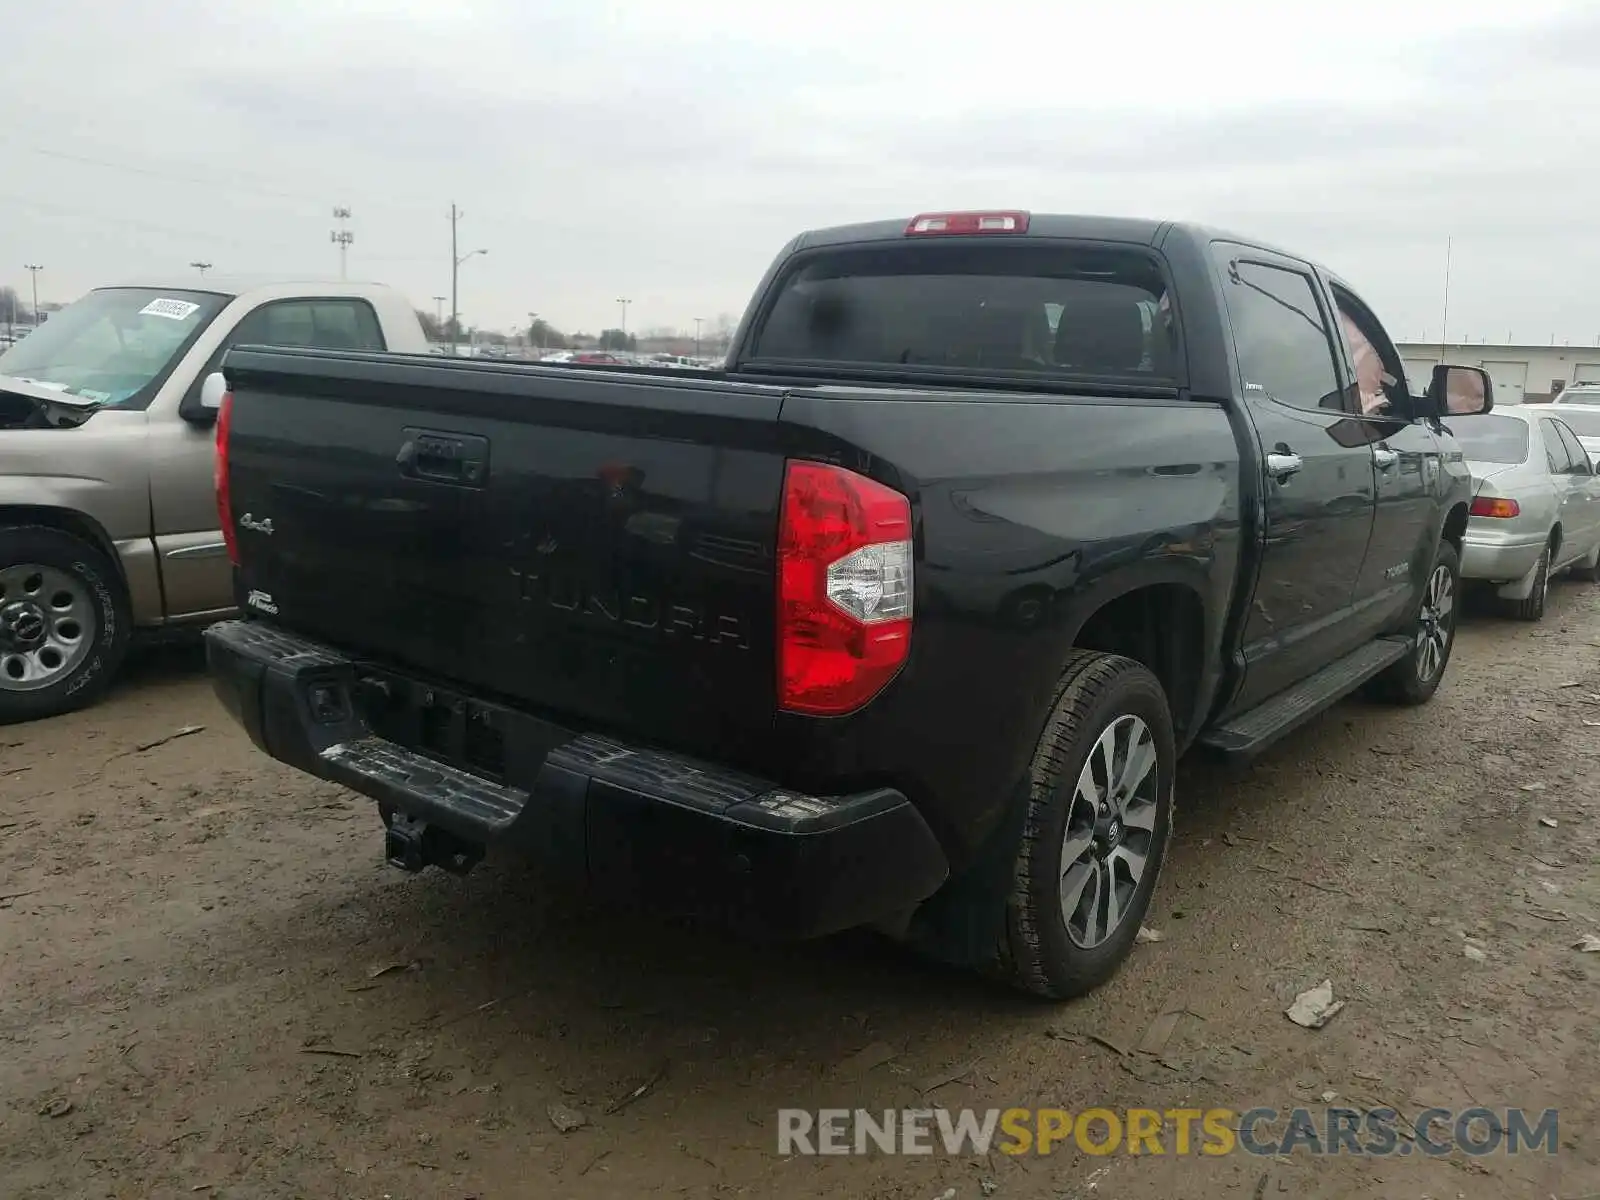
x,y
624,303
533,320
698,321
455,276
341,237
202,267
34,269
455,272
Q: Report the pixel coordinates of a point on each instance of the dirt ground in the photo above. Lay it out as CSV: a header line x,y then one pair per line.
x,y
211,986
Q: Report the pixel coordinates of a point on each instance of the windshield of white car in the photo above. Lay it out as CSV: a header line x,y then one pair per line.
x,y
1491,439
114,346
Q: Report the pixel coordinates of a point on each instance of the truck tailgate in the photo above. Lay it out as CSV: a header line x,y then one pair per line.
x,y
599,548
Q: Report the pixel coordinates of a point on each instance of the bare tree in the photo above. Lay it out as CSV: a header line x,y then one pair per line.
x,y
545,336
432,327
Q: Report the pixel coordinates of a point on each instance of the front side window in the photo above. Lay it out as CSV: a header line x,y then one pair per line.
x,y
1281,336
114,345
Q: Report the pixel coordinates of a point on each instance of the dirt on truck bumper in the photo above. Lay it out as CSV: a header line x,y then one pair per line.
x,y
454,775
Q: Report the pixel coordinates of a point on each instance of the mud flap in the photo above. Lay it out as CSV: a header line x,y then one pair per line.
x,y
963,924
1522,588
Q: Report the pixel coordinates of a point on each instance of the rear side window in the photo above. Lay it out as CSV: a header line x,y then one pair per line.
x,y
1487,438
1577,456
313,325
1042,308
1583,422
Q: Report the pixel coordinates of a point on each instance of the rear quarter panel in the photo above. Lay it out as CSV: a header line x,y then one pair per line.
x,y
1030,514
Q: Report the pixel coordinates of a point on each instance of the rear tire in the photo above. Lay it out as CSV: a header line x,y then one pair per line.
x,y
1099,818
64,623
1416,677
1532,608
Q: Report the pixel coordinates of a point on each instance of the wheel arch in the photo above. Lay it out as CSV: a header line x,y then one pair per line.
x,y
68,520
1158,619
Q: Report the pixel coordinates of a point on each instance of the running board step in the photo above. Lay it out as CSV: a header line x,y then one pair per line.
x,y
1251,732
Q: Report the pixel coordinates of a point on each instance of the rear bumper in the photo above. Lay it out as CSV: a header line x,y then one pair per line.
x,y
686,834
1499,556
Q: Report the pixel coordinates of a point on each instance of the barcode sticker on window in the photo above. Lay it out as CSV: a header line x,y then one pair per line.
x,y
173,310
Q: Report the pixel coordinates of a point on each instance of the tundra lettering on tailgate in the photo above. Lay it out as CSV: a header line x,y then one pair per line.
x,y
602,604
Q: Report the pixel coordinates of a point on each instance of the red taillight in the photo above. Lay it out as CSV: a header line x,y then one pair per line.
x,y
1486,506
931,224
844,589
220,477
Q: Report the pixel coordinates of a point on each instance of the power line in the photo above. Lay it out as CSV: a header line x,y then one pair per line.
x,y
152,227
209,181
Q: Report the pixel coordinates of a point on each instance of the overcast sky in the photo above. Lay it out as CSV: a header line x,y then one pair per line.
x,y
664,152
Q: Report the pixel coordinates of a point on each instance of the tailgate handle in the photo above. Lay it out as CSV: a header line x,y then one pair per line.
x,y
444,457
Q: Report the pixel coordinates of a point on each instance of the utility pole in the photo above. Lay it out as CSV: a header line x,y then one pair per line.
x,y
1444,325
341,237
624,303
202,267
698,321
34,269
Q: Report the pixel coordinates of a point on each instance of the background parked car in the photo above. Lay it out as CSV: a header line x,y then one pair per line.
x,y
1580,393
1535,505
108,509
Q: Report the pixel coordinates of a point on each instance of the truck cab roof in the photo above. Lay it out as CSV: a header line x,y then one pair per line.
x,y
1142,231
269,287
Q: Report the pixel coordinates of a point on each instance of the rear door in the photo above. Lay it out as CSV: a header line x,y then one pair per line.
x,y
1584,505
1568,489
1317,474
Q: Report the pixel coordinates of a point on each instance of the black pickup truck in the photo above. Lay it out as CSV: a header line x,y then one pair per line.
x,y
901,620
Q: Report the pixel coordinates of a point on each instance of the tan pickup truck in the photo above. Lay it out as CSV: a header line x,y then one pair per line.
x,y
108,518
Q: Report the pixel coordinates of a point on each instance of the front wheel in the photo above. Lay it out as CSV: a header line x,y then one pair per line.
x,y
64,622
1415,678
1099,818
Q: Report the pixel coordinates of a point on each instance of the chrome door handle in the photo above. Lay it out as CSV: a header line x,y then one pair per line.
x,y
1384,458
1281,465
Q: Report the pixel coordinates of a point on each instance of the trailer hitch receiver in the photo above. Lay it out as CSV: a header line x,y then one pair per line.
x,y
414,845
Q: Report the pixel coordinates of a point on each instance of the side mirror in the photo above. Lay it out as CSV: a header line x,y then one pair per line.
x,y
1460,391
201,406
